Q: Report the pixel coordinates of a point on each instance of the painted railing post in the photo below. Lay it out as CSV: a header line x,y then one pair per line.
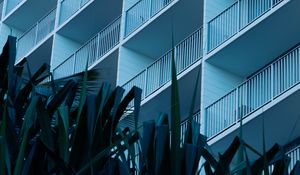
x,y
298,50
78,6
204,119
125,22
208,36
237,104
239,14
145,83
271,4
150,8
36,32
175,59
74,63
98,45
272,72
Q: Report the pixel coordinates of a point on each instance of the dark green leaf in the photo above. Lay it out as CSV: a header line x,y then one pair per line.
x,y
147,144
190,157
207,169
259,164
59,98
226,158
162,140
45,124
175,122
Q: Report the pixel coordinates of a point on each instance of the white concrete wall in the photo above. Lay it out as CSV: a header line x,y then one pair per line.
x,y
130,64
63,47
218,83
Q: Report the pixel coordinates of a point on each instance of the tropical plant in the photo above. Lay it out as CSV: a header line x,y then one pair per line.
x,y
63,127
43,130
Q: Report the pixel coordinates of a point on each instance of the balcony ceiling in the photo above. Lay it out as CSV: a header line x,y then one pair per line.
x,y
186,17
262,43
91,20
29,13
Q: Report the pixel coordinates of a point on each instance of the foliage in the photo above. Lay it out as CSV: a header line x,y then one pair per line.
x,y
63,127
43,130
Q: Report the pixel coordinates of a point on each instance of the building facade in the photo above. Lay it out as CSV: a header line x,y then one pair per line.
x,y
246,53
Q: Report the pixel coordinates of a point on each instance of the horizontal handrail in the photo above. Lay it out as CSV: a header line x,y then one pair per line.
x,y
261,88
35,34
142,11
235,18
158,73
91,51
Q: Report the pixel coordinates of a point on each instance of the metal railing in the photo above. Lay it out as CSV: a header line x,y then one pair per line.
x,y
91,51
235,18
294,154
184,126
254,93
35,34
69,7
186,53
141,12
11,4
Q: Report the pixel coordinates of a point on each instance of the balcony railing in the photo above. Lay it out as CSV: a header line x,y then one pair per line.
x,y
294,154
141,12
91,51
11,4
184,126
254,93
235,18
187,52
69,7
35,34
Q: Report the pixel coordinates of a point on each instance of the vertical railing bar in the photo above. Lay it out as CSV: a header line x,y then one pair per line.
x,y
36,32
145,82
237,104
74,68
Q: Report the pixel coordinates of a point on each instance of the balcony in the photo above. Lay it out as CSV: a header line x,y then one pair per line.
x,y
91,52
70,7
266,87
156,75
35,35
11,4
235,18
141,12
18,14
